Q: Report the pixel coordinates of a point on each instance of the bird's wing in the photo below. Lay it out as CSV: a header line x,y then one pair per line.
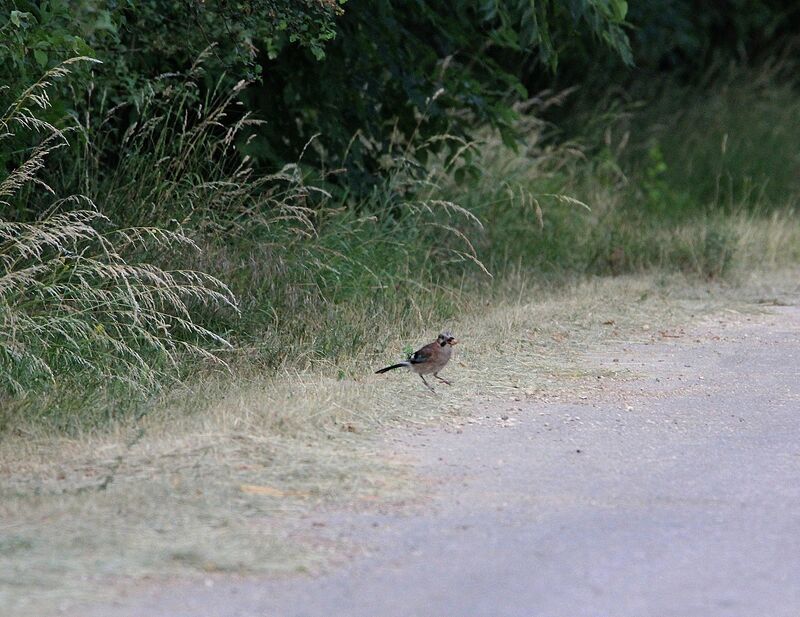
x,y
422,355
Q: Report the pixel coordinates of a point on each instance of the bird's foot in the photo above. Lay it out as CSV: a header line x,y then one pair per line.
x,y
427,385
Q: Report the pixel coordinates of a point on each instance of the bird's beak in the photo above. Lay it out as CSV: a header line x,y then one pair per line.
x,y
453,341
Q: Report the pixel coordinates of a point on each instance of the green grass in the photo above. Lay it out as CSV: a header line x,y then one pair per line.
x,y
731,147
319,278
81,306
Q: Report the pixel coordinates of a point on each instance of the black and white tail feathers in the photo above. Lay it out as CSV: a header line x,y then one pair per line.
x,y
394,366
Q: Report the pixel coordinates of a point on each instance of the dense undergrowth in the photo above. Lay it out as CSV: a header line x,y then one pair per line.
x,y
702,181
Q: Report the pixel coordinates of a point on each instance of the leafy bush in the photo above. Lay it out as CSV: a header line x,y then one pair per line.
x,y
366,76
387,65
291,253
400,71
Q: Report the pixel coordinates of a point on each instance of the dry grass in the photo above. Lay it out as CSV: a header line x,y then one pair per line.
x,y
212,480
76,297
768,242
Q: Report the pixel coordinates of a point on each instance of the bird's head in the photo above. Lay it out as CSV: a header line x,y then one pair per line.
x,y
445,338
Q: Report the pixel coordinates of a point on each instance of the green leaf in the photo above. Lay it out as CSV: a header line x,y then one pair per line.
x,y
620,9
41,57
81,47
509,138
318,52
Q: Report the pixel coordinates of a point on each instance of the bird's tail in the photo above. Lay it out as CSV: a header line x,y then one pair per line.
x,y
394,366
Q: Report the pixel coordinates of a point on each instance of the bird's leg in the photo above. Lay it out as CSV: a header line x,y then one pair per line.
x,y
441,379
427,385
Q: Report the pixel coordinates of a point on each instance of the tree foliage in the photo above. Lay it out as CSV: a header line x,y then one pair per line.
x,y
323,66
371,77
415,70
691,36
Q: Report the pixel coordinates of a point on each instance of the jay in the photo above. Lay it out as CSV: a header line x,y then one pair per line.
x,y
429,359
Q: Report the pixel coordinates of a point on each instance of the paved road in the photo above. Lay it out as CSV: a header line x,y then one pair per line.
x,y
677,494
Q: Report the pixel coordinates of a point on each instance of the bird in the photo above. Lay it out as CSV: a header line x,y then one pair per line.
x,y
428,360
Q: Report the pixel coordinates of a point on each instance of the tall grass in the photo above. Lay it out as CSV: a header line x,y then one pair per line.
x,y
673,183
319,278
731,146
77,304
293,253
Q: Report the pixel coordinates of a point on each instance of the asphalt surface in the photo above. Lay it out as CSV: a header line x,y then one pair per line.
x,y
674,494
